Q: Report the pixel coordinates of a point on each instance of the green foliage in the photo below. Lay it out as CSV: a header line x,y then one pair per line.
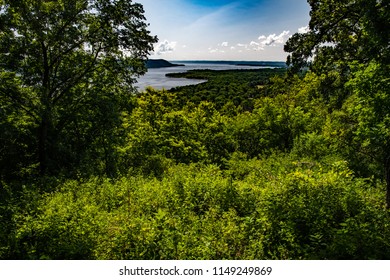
x,y
311,145
340,33
273,208
68,68
370,109
191,134
349,51
240,87
282,181
256,164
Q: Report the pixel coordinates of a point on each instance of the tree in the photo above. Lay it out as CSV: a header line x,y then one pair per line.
x,y
348,47
342,32
370,109
69,66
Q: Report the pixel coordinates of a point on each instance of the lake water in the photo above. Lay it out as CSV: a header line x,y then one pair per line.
x,y
155,77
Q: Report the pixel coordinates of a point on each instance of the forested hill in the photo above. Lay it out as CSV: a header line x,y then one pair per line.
x,y
160,63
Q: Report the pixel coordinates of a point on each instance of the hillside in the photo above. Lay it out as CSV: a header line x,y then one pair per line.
x,y
160,63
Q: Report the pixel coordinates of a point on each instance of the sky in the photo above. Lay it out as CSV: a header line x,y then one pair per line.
x,y
224,29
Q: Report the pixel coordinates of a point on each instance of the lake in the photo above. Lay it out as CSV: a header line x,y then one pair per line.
x,y
155,77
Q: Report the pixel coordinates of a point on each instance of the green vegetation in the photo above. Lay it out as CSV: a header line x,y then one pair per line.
x,y
272,208
237,88
256,164
67,68
159,63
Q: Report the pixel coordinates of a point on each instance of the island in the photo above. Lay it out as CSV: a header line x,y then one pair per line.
x,y
160,63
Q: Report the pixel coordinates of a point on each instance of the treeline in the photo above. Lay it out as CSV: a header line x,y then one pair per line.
x,y
226,87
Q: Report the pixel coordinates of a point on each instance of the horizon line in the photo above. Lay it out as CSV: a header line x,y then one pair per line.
x,y
218,60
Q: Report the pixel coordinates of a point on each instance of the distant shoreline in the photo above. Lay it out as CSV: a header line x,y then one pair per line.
x,y
277,64
160,63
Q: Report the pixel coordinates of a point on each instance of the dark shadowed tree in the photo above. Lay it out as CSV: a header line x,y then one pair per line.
x,y
66,72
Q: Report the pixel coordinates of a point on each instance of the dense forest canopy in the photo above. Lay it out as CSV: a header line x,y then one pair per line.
x,y
257,164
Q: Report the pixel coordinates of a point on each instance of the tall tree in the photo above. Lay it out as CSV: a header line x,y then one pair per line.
x,y
63,59
348,44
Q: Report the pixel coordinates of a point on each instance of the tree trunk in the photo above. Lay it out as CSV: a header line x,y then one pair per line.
x,y
43,143
44,138
46,114
388,193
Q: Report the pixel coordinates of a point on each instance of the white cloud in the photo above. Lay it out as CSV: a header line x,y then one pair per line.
x,y
242,45
164,47
256,46
274,39
252,46
303,30
263,41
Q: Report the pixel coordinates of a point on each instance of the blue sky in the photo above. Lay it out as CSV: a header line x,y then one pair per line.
x,y
224,29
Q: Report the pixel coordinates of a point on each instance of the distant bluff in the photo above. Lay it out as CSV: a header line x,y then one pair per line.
x,y
160,63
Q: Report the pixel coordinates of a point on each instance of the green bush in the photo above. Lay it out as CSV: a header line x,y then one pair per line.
x,y
269,208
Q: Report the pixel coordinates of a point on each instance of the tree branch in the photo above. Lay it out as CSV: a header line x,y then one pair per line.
x,y
79,77
18,102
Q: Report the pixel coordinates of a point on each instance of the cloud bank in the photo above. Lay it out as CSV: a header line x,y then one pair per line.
x,y
265,41
273,39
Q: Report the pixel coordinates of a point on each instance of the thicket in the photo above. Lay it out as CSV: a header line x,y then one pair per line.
x,y
273,208
259,164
